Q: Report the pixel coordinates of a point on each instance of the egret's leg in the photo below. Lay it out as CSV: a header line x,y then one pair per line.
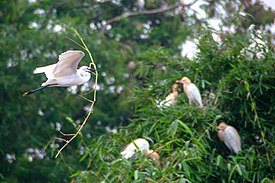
x,y
37,89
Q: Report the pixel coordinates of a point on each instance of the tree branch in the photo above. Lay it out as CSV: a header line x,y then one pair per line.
x,y
145,12
92,63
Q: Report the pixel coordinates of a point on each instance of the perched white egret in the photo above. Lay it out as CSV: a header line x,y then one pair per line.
x,y
191,91
141,4
64,73
171,99
230,136
139,144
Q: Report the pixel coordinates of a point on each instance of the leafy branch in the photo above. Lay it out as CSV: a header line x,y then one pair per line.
x,y
144,12
92,64
256,117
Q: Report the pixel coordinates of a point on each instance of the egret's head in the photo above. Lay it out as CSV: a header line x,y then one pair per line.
x,y
175,87
153,155
86,69
222,126
184,80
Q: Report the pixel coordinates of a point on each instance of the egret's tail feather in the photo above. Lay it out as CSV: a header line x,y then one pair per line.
x,y
44,69
38,70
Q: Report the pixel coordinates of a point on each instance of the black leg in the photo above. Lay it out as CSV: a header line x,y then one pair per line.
x,y
35,90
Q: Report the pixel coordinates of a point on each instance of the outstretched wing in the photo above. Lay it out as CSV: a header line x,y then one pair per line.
x,y
67,64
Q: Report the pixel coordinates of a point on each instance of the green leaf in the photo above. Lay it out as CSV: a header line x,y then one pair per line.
x,y
239,170
219,159
173,128
84,157
186,128
136,174
266,180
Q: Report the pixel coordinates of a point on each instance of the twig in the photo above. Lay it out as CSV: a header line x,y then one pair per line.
x,y
94,96
256,117
64,140
144,12
66,134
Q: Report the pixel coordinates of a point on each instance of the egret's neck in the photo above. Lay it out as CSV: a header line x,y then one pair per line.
x,y
187,82
175,93
84,75
186,91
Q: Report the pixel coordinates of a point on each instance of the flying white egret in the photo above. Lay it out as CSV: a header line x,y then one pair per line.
x,y
230,136
139,144
64,73
191,91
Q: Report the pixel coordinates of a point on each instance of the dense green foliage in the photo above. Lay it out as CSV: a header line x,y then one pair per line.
x,y
186,136
236,87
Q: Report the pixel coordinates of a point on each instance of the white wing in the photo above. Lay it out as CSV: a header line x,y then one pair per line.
x,y
232,139
195,93
67,64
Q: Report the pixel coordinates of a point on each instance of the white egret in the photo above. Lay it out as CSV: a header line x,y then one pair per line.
x,y
139,144
64,73
141,4
191,91
230,136
171,99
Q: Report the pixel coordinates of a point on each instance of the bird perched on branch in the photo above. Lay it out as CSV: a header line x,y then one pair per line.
x,y
230,136
64,73
139,144
191,91
171,99
141,4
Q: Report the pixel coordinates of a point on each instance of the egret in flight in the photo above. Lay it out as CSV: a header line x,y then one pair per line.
x,y
64,73
230,136
139,144
191,91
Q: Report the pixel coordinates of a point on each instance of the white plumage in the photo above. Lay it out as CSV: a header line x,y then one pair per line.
x,y
191,91
64,73
230,136
139,144
171,99
194,94
141,4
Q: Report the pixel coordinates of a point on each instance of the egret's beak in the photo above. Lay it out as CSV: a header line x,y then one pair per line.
x,y
91,69
180,81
